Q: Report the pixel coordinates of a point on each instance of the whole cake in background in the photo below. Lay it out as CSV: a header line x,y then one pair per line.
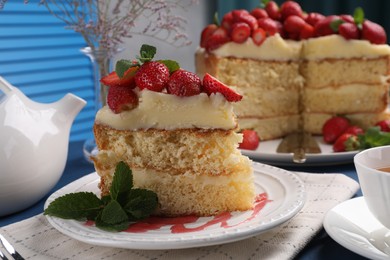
x,y
298,69
178,135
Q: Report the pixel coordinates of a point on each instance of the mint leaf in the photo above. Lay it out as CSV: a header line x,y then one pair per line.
x,y
358,16
113,213
113,227
334,25
147,53
122,66
140,203
75,206
216,19
373,137
122,180
171,64
264,3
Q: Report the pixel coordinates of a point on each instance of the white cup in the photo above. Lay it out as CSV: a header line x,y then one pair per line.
x,y
375,184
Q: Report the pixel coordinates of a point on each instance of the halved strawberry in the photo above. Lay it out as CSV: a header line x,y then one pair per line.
x,y
206,33
373,32
240,32
121,98
307,32
152,75
294,24
184,83
259,13
314,18
113,80
258,36
250,140
272,9
227,21
213,85
349,31
290,8
270,26
217,39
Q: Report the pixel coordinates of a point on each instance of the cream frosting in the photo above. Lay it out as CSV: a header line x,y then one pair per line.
x,y
165,111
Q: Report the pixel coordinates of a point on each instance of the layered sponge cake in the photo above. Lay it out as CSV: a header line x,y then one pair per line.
x,y
298,69
179,141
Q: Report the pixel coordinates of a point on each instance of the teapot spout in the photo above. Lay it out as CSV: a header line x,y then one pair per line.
x,y
5,86
69,106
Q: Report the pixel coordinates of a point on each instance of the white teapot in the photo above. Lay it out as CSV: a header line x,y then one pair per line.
x,y
34,140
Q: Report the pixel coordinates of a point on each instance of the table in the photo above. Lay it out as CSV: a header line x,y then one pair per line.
x,y
321,247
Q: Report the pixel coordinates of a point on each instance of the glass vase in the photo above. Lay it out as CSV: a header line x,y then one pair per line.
x,y
101,60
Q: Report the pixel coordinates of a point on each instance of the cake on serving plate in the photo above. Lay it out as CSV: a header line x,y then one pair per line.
x,y
178,135
296,68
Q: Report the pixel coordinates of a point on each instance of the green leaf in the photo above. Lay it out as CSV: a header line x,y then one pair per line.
x,y
171,64
75,206
123,65
334,25
358,16
216,19
147,53
122,181
113,227
263,3
373,138
141,203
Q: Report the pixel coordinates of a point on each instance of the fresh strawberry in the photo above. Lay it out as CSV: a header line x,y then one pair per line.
x,y
240,32
250,140
259,13
346,142
290,8
307,32
347,18
272,9
293,24
112,79
184,83
314,18
217,39
237,14
152,75
384,125
323,28
206,33
258,36
227,21
333,128
121,98
270,26
373,32
213,85
354,130
245,17
349,31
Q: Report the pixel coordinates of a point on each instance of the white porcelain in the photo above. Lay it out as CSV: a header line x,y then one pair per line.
x,y
266,153
33,146
286,197
375,184
352,225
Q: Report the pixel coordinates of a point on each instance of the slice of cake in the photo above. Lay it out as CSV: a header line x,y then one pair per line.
x,y
178,135
299,69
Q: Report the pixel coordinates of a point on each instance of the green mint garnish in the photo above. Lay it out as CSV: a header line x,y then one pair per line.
x,y
147,53
171,64
113,212
263,3
358,16
123,65
216,19
373,137
335,24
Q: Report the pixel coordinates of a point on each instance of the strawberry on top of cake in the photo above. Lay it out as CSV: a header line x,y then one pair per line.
x,y
177,133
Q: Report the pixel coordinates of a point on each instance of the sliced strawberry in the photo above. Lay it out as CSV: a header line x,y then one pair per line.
x,y
240,32
206,33
349,31
244,17
373,32
184,83
121,98
307,32
333,128
227,21
217,39
237,14
323,28
294,24
113,80
346,142
290,8
259,36
347,18
354,130
259,13
152,75
272,9
384,125
270,26
250,140
213,85
314,18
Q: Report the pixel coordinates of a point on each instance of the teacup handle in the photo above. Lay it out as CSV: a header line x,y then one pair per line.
x,y
5,86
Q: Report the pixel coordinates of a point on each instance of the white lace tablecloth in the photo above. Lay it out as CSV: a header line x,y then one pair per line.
x,y
35,238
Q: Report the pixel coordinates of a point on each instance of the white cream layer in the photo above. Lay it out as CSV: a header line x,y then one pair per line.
x,y
276,48
164,111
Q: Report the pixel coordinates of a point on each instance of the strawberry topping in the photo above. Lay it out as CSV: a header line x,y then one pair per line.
x,y
112,79
240,32
184,83
121,98
250,140
152,75
213,85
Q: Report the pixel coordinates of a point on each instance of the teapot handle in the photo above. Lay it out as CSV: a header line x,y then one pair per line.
x,y
5,86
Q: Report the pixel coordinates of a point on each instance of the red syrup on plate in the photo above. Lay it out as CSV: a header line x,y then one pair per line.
x,y
177,224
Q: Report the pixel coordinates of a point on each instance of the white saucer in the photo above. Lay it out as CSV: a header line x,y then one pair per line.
x,y
353,226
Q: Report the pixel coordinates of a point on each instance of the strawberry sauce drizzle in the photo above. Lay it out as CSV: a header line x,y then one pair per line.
x,y
178,223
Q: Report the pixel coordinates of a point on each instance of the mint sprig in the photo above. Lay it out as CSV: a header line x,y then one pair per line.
x,y
373,137
113,212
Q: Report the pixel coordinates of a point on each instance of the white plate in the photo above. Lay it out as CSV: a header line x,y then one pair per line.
x,y
266,153
286,196
353,226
